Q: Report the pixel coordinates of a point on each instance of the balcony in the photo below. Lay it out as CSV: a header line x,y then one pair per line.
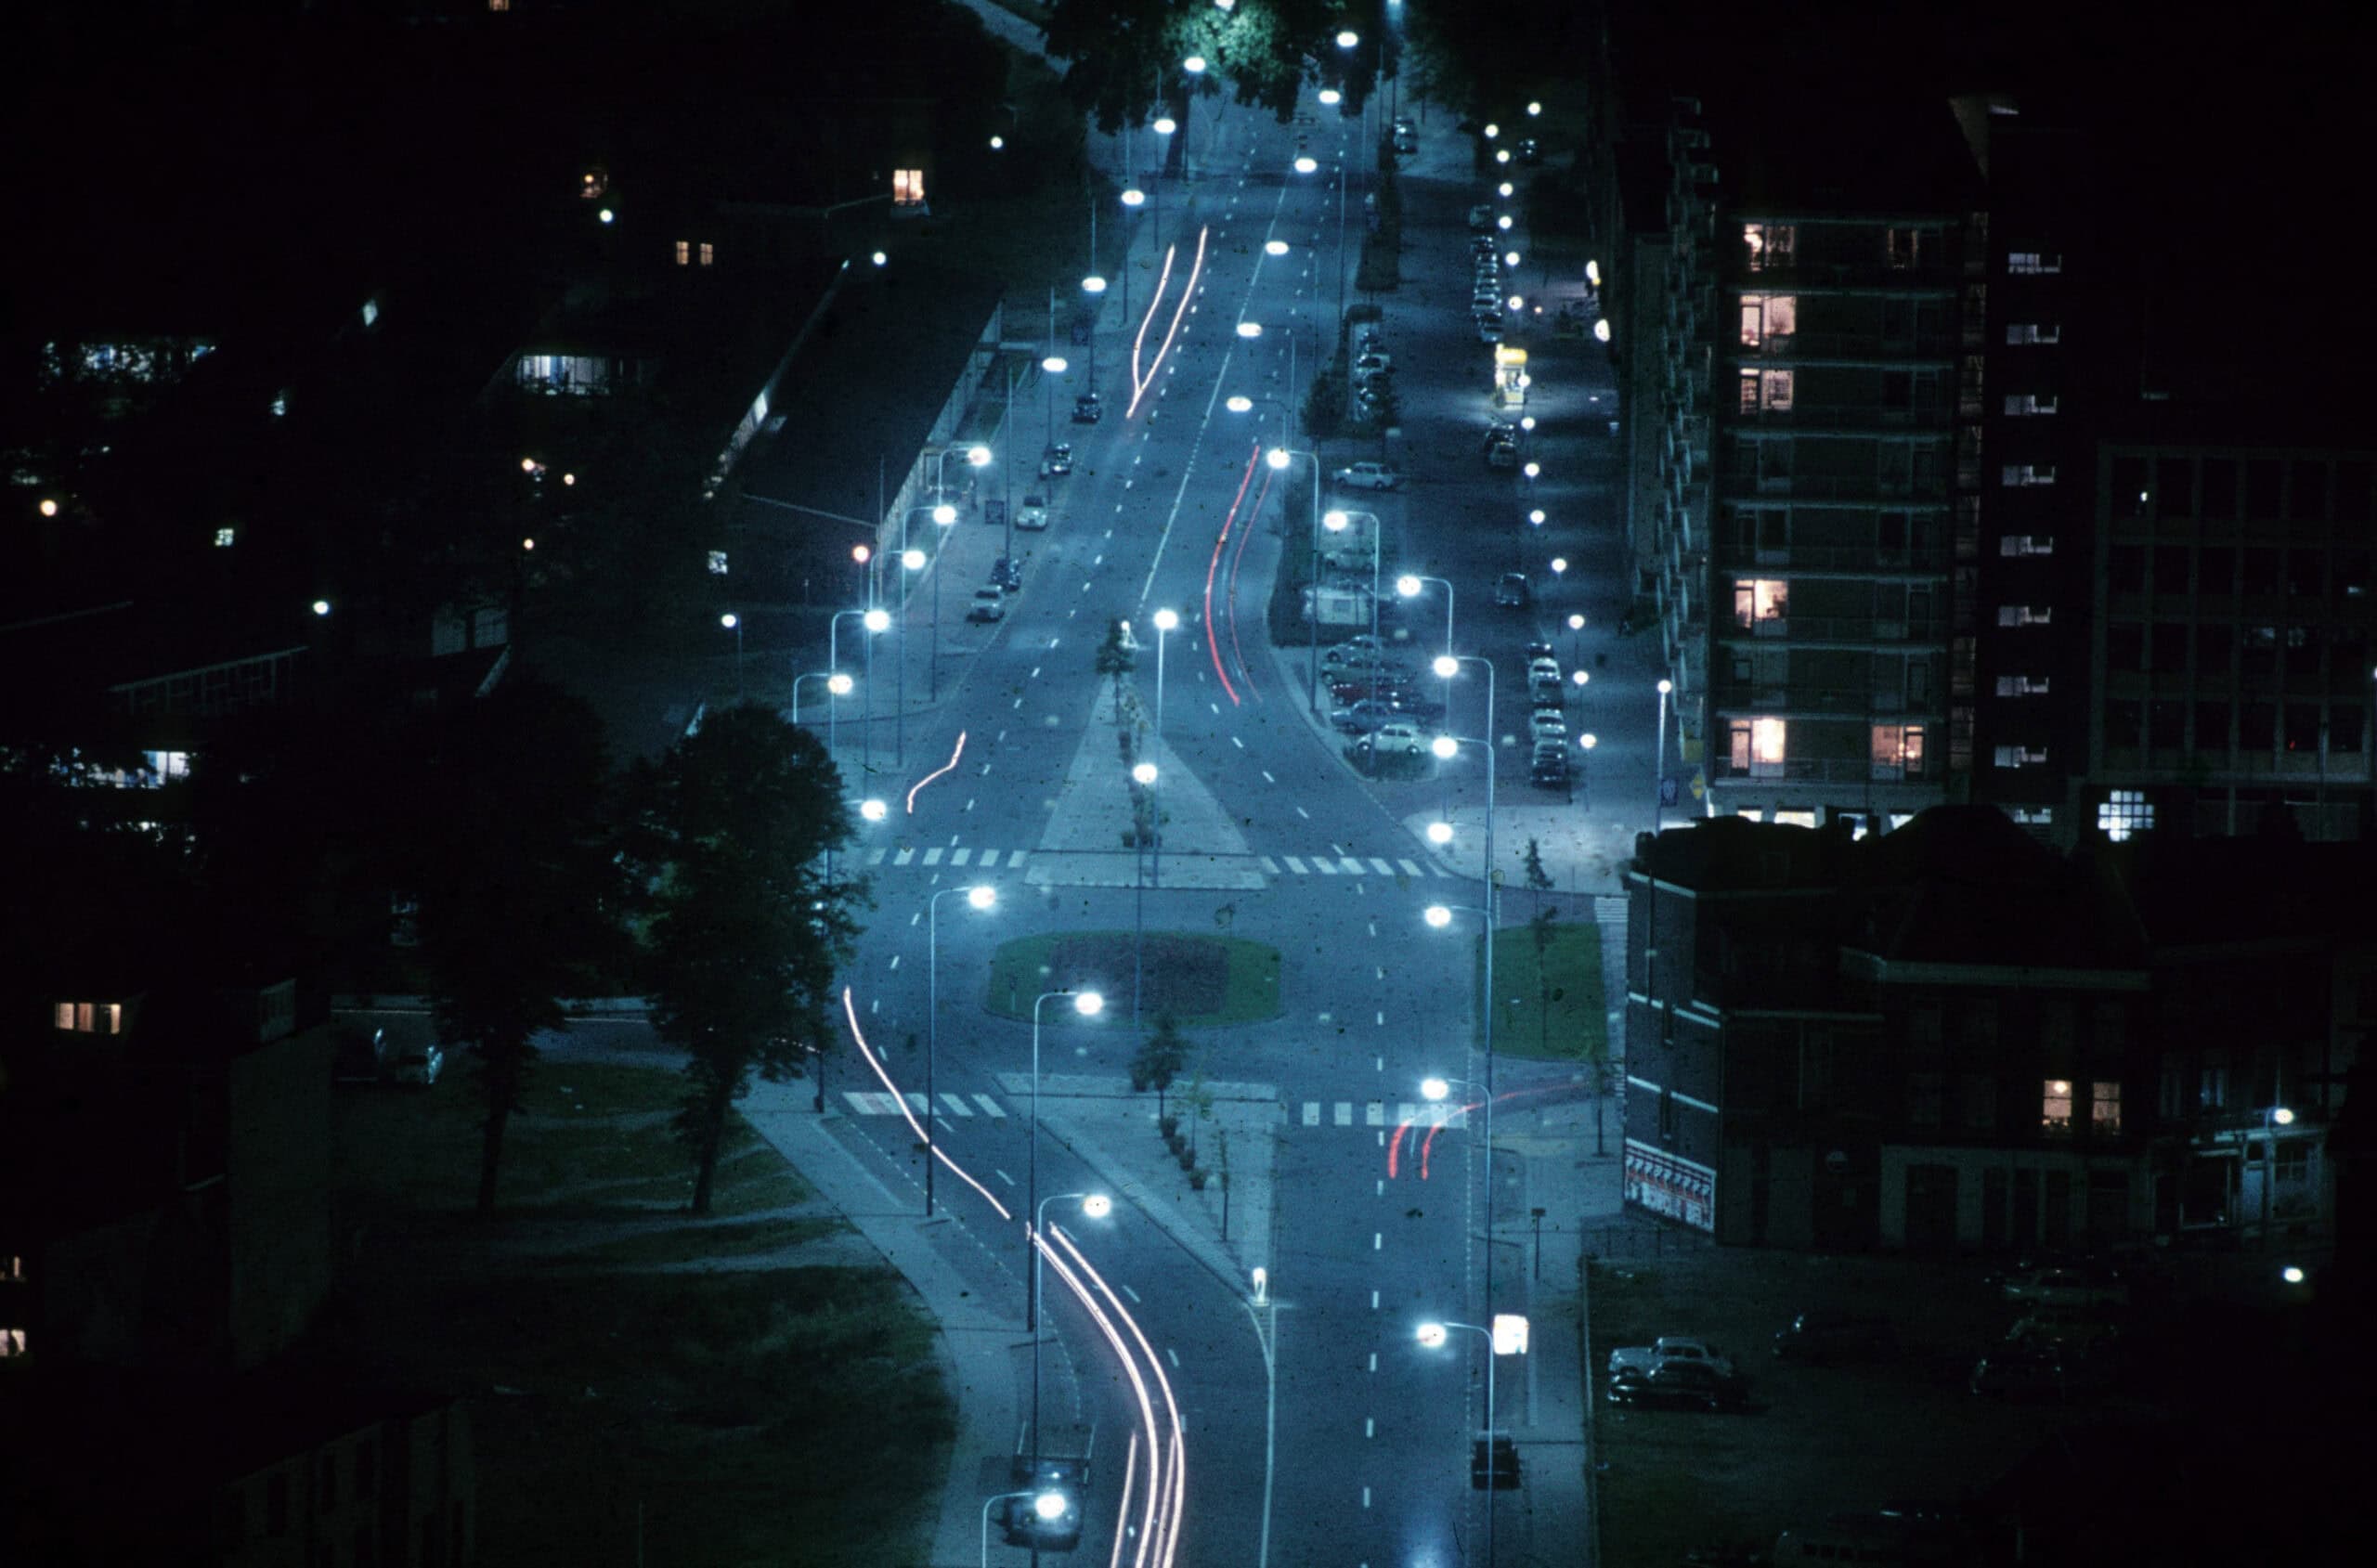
x,y
1853,630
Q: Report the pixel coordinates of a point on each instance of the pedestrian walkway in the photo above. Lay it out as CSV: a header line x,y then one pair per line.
x,y
1373,1113
1123,869
878,1102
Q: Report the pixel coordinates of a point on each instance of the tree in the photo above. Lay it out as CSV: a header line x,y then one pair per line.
x,y
1122,57
1117,656
731,827
518,888
1542,925
1159,1060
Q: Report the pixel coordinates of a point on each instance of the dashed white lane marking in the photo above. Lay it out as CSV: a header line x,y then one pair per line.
x,y
1374,1361
1370,1425
1175,1356
1366,1497
1378,1241
895,961
1305,814
1129,1291
1374,1301
1002,1175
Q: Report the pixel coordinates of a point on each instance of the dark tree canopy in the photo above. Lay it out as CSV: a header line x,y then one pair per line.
x,y
1122,56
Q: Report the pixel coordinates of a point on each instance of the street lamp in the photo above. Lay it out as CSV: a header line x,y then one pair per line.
x,y
1096,1206
1409,586
734,623
1239,403
981,896
1050,368
1048,1504
2273,1119
1088,1004
1337,523
1576,639
1660,760
875,620
1166,623
835,682
1586,743
943,515
1432,1336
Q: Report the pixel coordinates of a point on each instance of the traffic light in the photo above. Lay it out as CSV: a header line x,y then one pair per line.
x,y
1493,1464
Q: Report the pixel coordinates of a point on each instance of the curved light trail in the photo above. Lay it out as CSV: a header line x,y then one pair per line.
x,y
1230,597
1187,293
1175,1464
1212,569
1105,1324
1122,1514
849,1013
937,772
1155,297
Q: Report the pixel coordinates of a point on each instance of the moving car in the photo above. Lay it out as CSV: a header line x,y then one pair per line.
x,y
1056,461
1086,409
1511,592
989,605
1033,516
1368,477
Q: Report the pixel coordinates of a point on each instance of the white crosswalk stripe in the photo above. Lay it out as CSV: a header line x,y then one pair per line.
x,y
1411,870
1344,1113
871,1102
1381,867
1352,866
903,857
1268,864
955,1106
1325,868
989,858
1340,1113
918,1103
875,857
1374,1114
932,855
1295,864
959,857
990,1107
1312,1113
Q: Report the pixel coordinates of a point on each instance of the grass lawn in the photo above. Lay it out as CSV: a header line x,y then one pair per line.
x,y
1202,981
1560,1014
599,1388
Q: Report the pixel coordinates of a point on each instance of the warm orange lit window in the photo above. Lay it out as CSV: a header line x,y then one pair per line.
x,y
710,254
89,1017
1762,605
2104,1107
1770,244
685,251
2054,1106
1758,747
907,188
1898,751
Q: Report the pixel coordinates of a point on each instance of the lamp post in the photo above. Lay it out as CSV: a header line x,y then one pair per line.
x,y
1088,1004
943,515
1166,623
2273,1119
1585,787
1093,285
835,682
1279,459
734,623
1337,523
1409,586
1576,640
874,619
1432,1334
1096,1205
981,896
1659,760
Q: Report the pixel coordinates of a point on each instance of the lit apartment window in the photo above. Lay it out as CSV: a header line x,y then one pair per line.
x,y
718,563
1898,751
709,253
1770,244
2025,615
89,1017
595,182
12,1343
1758,747
2031,816
2026,544
12,1270
907,188
2021,685
2034,262
685,251
2022,405
2124,811
1768,315
499,4
1766,389
2021,333
226,537
1907,247
166,767
1762,605
2025,475
2104,1107
2022,756
2054,1106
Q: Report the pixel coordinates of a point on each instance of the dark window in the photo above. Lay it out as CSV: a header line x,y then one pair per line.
x,y
2212,643
2170,648
2125,647
2303,729
2124,723
1891,533
2352,491
2309,497
2127,573
2130,491
2261,488
2215,569
2174,487
2211,728
2259,656
2165,725
2219,488
2348,575
2306,573
2170,568
2258,728
2344,722
2261,572
365,1552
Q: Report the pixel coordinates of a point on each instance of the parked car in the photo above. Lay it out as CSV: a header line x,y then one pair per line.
x,y
2070,1329
1666,1348
1086,409
1501,455
1057,462
1688,1384
1510,591
1548,724
1540,664
989,605
1548,767
1489,332
2024,1372
1006,574
417,1065
1546,691
1367,715
1371,362
1033,516
360,1056
1360,648
1397,737
1368,477
1822,1337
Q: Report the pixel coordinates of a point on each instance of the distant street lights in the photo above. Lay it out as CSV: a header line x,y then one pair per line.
x,y
1660,761
981,896
1409,586
1432,1334
875,619
1088,1004
734,623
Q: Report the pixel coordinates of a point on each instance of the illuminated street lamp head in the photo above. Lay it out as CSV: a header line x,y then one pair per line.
x,y
1534,109
1305,165
1516,303
2282,1116
2291,1273
1592,273
1501,155
1134,196
1446,666
1049,1505
1240,404
1330,95
322,606
605,215
1433,1088
729,620
529,465
528,544
1509,258
1089,1004
944,515
1275,247
1408,585
49,503
1446,747
1167,620
912,560
1250,329
874,810
1165,125
1194,65
876,620
1098,1206
1336,521
979,456
1348,38
1601,330
981,894
1504,188
1666,686
1440,833
861,554
1559,565
1492,131
1533,470
1431,1334
1438,916
1583,676
1092,284
997,143
1279,457
1054,364
1536,518
839,684
1589,740
880,259
1503,223
1576,623
1526,421
1144,774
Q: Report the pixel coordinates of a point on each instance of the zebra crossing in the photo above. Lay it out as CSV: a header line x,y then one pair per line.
x,y
1373,1113
973,858
880,1102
